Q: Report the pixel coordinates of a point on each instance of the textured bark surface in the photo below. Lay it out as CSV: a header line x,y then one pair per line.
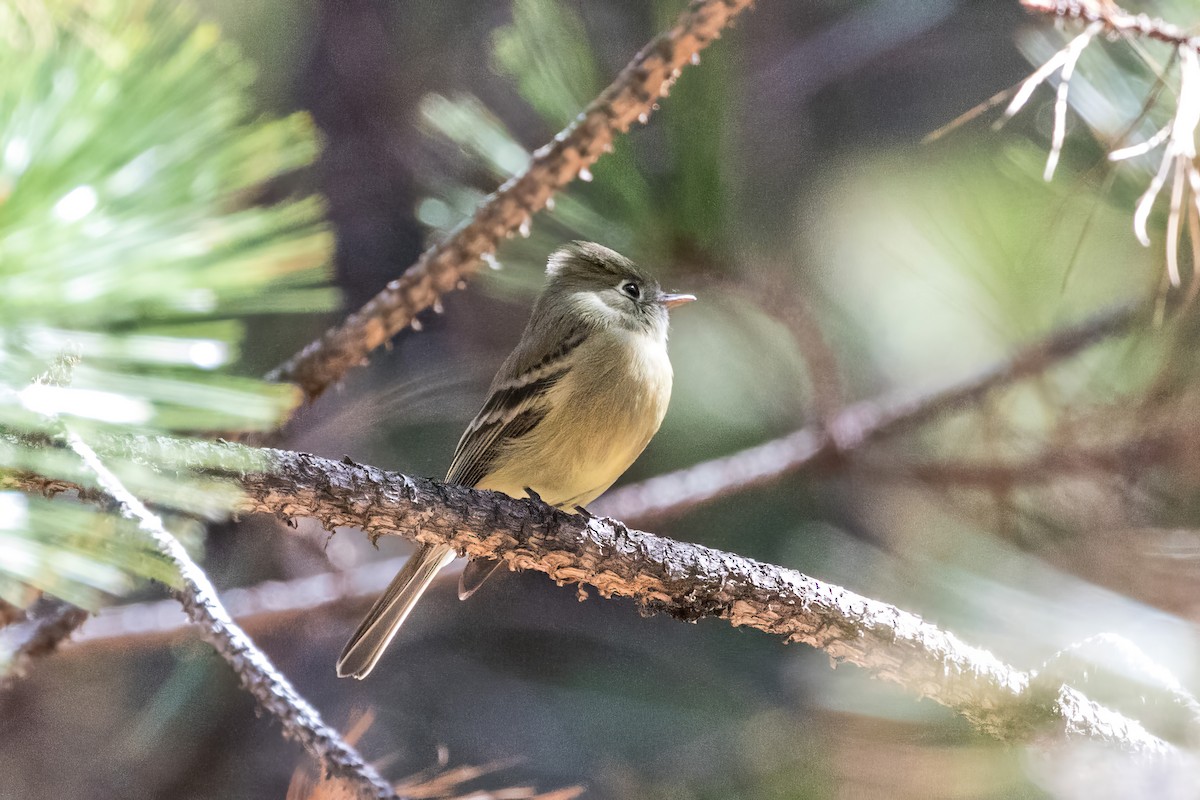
x,y
441,268
275,694
687,581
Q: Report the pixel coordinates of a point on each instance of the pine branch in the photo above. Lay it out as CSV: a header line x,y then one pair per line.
x,y
444,266
47,626
275,694
688,582
676,492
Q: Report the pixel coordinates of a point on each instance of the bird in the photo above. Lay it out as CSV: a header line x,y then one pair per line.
x,y
570,409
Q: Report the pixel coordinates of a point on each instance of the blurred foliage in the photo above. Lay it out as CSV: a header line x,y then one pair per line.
x,y
545,51
131,240
920,267
77,555
781,182
664,194
629,205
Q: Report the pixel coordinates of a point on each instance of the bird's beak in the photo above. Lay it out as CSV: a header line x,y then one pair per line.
x,y
672,300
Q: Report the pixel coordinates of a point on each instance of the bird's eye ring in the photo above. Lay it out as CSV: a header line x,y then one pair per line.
x,y
632,290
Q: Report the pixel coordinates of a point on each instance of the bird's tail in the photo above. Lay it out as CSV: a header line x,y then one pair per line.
x,y
390,610
476,571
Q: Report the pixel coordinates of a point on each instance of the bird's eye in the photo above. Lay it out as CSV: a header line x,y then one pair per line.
x,y
632,290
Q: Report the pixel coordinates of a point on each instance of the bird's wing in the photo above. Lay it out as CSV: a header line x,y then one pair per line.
x,y
515,406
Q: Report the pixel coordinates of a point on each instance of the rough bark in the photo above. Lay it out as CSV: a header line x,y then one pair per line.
x,y
686,581
274,692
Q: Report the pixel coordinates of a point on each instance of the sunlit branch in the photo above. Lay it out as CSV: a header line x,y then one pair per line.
x,y
1063,62
633,96
275,694
1114,19
674,492
688,582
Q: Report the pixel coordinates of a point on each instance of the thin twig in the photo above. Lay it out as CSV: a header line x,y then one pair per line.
x,y
675,492
438,783
300,720
1177,139
47,626
1062,62
687,581
1114,19
444,266
262,603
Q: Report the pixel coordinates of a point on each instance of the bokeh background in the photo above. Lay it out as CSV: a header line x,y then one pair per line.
x,y
838,258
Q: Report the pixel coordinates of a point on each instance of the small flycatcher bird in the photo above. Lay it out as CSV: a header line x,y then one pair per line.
x,y
569,410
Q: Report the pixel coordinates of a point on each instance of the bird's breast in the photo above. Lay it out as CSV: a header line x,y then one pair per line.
x,y
602,414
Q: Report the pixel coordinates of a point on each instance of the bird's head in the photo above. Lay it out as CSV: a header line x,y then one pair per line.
x,y
607,289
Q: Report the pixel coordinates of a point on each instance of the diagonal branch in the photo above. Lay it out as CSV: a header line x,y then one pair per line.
x,y
687,581
676,492
1115,20
48,625
262,604
258,675
631,97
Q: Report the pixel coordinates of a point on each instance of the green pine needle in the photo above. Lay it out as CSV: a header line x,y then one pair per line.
x,y
130,157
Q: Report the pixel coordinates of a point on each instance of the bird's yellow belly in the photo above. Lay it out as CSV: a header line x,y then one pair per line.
x,y
593,434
